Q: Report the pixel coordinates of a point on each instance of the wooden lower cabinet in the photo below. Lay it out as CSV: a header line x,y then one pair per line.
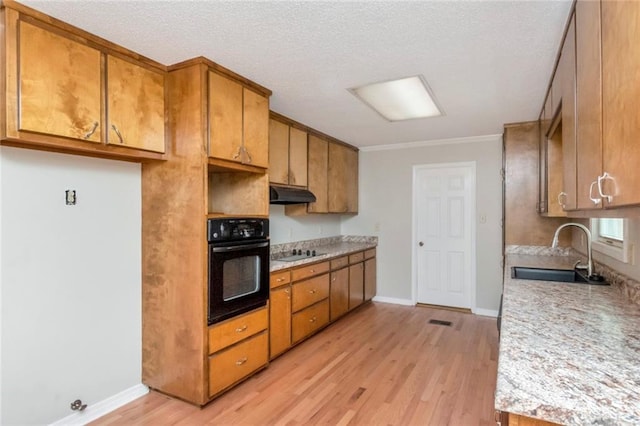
x,y
339,293
504,418
307,321
308,292
279,321
356,285
239,361
236,329
307,298
238,347
370,278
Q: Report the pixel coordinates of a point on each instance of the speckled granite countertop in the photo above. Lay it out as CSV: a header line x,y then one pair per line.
x,y
569,353
326,247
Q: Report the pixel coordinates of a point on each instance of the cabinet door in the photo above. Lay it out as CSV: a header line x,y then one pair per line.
x,y
369,278
621,100
568,74
60,86
342,179
297,157
135,106
356,285
255,129
280,320
339,293
278,152
542,168
318,164
225,117
589,103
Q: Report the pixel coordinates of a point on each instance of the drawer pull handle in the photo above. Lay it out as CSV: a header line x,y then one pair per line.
x,y
241,361
279,280
118,134
241,329
312,291
314,319
313,271
92,131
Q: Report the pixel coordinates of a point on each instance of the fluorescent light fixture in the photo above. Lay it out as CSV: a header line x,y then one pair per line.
x,y
397,100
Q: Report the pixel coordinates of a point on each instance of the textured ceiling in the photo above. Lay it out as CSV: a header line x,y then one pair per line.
x,y
487,62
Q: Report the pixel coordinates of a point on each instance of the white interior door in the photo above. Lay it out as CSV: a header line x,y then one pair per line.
x,y
444,256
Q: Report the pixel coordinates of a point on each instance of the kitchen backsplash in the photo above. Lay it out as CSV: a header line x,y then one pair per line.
x,y
278,249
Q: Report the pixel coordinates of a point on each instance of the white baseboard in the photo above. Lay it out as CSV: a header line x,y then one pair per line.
x,y
100,408
485,312
393,300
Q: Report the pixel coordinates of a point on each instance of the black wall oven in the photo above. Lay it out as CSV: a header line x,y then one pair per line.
x,y
238,266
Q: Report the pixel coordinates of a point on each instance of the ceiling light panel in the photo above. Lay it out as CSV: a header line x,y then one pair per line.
x,y
396,100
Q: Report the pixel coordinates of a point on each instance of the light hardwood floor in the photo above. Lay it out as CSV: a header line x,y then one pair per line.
x,y
382,364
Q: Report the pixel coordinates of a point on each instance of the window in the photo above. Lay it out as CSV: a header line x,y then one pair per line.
x,y
610,237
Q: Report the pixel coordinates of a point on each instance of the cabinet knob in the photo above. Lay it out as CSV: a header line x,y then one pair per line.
x,y
279,280
241,329
314,319
241,361
312,291
287,291
313,271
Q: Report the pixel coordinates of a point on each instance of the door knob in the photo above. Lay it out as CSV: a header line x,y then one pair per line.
x,y
420,243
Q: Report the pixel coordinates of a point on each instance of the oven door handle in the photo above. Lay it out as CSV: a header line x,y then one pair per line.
x,y
241,247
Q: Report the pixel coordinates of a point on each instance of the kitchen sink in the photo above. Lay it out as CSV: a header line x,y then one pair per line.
x,y
556,275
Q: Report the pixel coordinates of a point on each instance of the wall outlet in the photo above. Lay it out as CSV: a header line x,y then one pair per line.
x,y
483,218
70,197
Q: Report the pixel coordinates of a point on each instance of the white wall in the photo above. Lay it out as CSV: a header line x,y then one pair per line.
x,y
285,229
386,206
70,280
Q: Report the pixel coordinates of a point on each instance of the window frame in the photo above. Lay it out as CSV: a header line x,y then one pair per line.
x,y
613,248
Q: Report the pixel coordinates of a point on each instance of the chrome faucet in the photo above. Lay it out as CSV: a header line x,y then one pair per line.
x,y
554,244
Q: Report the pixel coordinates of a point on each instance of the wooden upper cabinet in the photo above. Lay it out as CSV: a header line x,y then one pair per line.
x,y
318,166
135,105
238,122
589,103
287,154
278,152
567,70
225,117
298,155
256,128
65,88
342,179
621,101
59,86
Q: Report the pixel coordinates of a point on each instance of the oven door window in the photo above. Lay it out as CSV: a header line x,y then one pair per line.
x,y
241,277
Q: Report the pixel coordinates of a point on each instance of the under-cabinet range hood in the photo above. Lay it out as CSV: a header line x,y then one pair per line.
x,y
288,195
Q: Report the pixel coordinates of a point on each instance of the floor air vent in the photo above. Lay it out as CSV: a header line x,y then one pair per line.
x,y
440,322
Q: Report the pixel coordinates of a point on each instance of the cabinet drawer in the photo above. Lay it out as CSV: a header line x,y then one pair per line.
x,y
368,254
306,293
231,331
309,271
340,262
237,362
306,322
355,258
279,278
